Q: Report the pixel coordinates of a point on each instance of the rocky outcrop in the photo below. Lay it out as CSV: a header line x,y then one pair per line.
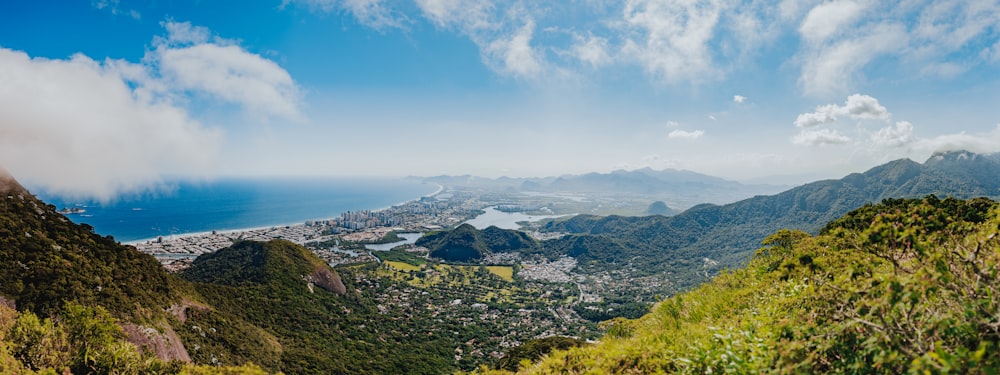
x,y
324,278
162,341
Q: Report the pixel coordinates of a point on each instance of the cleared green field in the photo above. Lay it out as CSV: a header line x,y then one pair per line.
x,y
402,266
505,272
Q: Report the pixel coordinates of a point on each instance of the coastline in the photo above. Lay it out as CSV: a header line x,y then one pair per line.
x,y
301,223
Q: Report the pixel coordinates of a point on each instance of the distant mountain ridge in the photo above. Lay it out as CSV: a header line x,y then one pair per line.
x,y
673,183
729,233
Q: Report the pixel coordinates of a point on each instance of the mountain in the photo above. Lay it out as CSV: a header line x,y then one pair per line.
x,y
727,234
908,286
45,260
84,302
250,262
675,185
466,243
660,208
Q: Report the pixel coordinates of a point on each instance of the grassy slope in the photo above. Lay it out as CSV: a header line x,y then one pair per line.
x,y
910,285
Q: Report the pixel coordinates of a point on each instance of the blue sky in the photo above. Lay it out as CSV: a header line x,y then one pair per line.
x,y
104,97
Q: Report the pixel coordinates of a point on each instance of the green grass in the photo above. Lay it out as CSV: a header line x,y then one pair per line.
x,y
504,272
402,266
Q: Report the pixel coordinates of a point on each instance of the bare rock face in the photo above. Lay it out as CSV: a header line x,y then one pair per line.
x,y
163,342
328,280
179,310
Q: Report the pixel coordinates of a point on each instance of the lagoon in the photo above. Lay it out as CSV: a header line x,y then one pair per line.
x,y
504,220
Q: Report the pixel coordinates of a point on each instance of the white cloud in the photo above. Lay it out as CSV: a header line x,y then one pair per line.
x,y
80,127
377,14
819,137
823,115
514,55
190,59
988,142
468,16
942,39
831,68
673,124
75,127
860,106
692,41
505,36
946,26
827,19
686,135
592,50
114,6
671,39
739,99
184,33
898,135
856,107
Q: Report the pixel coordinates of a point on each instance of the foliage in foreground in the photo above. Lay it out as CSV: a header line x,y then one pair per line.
x,y
83,340
903,286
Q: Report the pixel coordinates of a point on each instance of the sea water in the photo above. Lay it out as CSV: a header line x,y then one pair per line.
x,y
237,203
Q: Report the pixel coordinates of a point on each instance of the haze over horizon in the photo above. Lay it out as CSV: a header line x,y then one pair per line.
x,y
106,97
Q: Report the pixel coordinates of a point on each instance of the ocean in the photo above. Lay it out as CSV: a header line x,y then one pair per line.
x,y
237,203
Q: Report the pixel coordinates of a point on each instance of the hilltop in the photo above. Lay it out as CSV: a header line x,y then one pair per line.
x,y
466,243
247,263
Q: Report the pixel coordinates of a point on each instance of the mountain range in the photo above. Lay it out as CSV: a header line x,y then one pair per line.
x,y
729,233
682,186
277,305
903,286
708,237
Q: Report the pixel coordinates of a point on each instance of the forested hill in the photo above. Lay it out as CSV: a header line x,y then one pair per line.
x,y
728,233
466,243
47,260
906,286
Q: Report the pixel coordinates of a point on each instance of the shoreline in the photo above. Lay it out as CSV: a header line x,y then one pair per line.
x,y
266,227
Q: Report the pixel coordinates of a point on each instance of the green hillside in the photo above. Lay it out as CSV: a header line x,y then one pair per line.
x,y
46,260
466,243
72,301
902,286
728,234
265,311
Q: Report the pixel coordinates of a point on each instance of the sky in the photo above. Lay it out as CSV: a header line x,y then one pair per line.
x,y
100,98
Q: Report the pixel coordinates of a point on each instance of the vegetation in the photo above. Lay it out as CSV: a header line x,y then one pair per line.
x,y
696,243
465,243
83,340
400,256
274,305
902,286
47,260
906,286
535,349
